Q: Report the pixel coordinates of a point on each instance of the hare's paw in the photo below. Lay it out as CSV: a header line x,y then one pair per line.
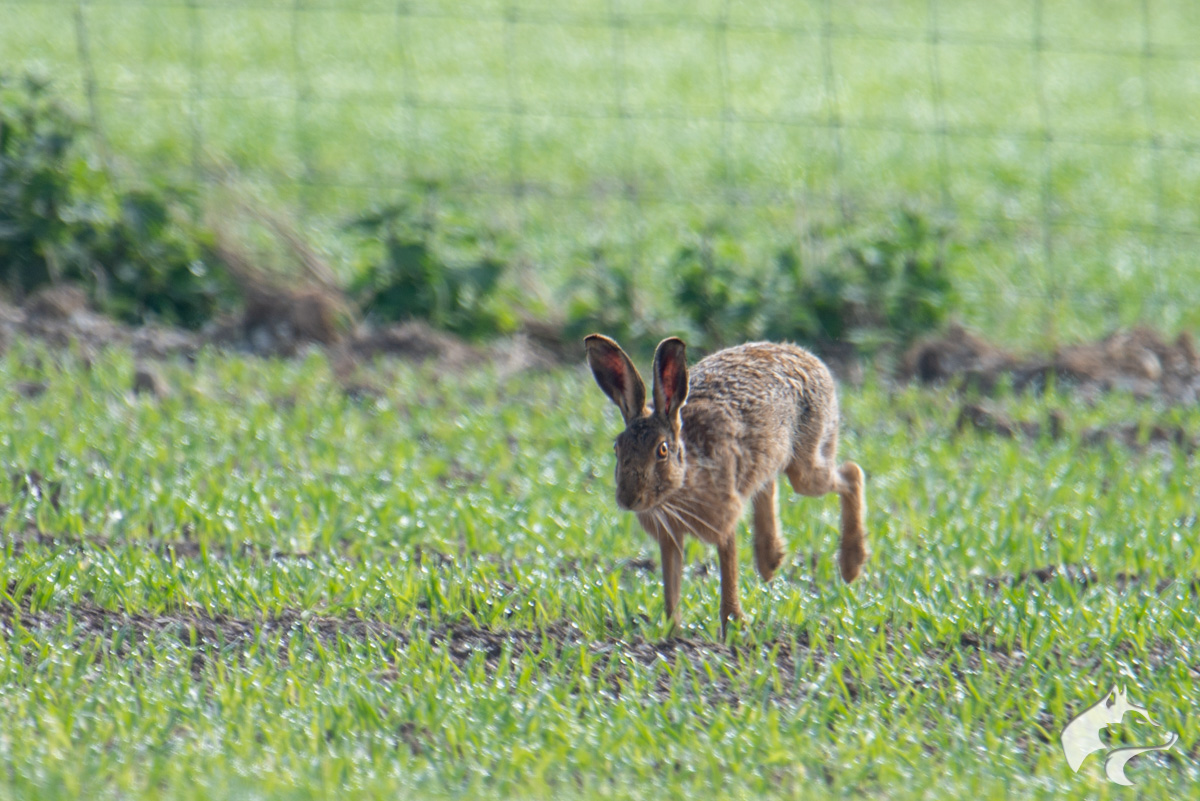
x,y
851,557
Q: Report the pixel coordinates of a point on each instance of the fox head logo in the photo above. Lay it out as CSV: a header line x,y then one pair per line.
x,y
1082,734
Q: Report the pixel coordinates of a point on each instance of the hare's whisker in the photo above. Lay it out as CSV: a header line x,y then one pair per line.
x,y
679,511
665,524
697,518
676,537
666,507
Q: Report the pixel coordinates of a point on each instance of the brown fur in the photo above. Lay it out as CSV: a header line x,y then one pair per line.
x,y
752,412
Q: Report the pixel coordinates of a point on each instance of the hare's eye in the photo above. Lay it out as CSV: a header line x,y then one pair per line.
x,y
663,449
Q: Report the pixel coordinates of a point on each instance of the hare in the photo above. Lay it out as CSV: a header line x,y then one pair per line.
x,y
719,438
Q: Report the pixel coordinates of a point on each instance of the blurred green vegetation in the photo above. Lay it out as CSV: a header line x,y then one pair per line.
x,y
141,259
63,219
404,274
1058,145
885,287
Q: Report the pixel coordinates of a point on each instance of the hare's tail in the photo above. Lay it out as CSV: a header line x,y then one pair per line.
x,y
852,490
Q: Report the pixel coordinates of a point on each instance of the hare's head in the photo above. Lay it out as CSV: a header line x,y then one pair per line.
x,y
650,452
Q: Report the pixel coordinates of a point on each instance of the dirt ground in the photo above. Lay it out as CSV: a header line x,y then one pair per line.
x,y
282,325
285,323
213,635
1134,436
1137,360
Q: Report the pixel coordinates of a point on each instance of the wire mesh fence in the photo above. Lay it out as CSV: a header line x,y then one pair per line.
x,y
1058,140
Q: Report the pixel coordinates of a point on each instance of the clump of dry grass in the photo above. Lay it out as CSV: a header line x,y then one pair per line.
x,y
285,306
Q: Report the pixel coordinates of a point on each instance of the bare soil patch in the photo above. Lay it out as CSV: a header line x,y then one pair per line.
x,y
614,659
207,635
61,317
1140,361
279,319
276,321
184,547
1134,436
181,547
222,636
1084,576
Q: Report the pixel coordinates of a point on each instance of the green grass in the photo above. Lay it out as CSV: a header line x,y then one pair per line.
x,y
1069,172
262,588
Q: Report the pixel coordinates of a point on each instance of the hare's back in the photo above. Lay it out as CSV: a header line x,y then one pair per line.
x,y
761,372
769,405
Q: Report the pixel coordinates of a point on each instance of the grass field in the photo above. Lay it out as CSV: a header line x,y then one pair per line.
x,y
260,587
1059,139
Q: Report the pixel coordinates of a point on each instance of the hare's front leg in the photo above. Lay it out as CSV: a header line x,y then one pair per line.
x,y
731,608
672,569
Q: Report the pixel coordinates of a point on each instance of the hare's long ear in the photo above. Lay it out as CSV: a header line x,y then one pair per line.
x,y
617,376
670,380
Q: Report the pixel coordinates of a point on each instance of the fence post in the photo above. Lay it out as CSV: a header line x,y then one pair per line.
x,y
833,117
1047,188
87,67
1156,160
196,89
302,96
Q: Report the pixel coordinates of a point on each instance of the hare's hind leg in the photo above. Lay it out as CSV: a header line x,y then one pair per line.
x,y
812,473
851,486
768,547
